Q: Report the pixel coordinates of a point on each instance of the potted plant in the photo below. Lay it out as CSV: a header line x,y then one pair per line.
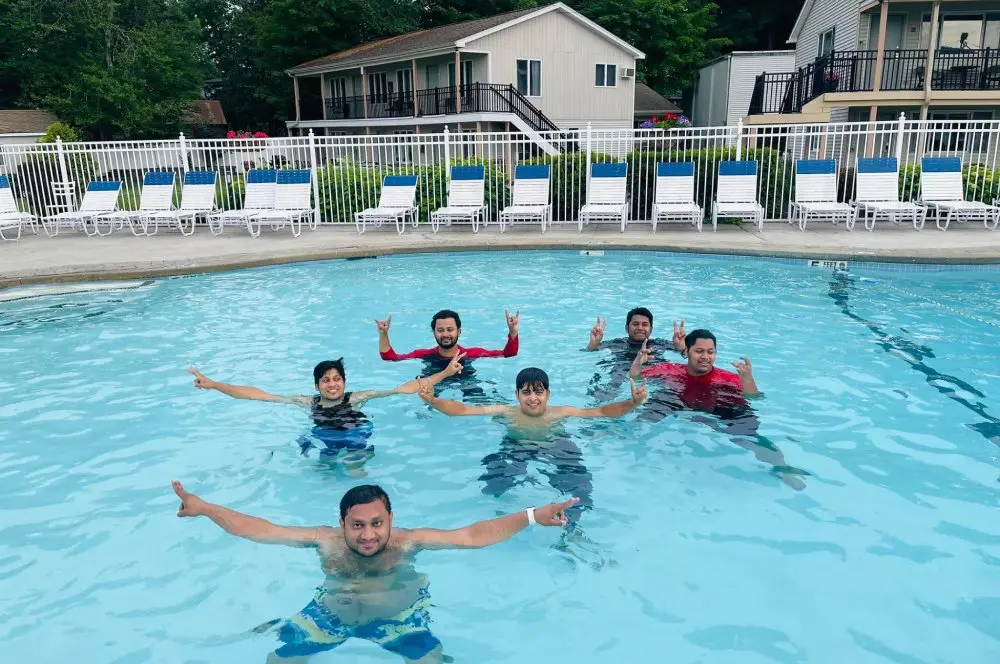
x,y
832,80
668,121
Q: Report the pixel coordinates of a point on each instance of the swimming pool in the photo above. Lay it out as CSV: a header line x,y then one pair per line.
x,y
884,385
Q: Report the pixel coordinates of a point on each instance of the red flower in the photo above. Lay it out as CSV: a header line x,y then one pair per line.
x,y
259,134
230,134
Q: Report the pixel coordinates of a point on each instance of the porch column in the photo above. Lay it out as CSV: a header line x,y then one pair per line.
x,y
323,93
298,110
364,93
458,81
883,21
931,54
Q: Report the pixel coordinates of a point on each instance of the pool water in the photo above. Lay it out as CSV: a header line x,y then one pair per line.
x,y
885,386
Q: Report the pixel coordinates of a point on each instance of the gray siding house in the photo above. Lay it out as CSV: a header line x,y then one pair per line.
x,y
534,70
725,85
872,59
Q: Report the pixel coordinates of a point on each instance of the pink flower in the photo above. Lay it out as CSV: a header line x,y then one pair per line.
x,y
259,134
230,134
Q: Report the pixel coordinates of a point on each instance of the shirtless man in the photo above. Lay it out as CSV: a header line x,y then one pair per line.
x,y
339,423
447,328
701,386
532,436
371,590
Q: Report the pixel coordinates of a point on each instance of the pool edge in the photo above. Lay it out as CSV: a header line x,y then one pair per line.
x,y
229,263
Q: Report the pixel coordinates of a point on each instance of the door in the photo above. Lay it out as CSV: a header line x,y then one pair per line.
x,y
900,71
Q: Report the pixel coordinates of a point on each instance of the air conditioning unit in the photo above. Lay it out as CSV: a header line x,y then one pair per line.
x,y
628,73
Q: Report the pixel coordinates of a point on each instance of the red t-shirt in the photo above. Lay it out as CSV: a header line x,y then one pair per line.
x,y
510,350
717,387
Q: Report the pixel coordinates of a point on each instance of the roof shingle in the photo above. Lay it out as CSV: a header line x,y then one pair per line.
x,y
649,102
25,121
420,40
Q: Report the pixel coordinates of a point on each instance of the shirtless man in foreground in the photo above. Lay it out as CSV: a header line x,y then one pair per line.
x,y
371,590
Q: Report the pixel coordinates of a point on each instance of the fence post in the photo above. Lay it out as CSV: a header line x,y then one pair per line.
x,y
739,140
314,178
588,159
899,138
184,158
64,174
447,154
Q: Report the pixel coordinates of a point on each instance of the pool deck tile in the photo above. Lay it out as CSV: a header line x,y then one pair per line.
x,y
75,257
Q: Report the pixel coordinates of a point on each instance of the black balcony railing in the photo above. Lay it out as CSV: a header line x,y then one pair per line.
x,y
471,98
854,71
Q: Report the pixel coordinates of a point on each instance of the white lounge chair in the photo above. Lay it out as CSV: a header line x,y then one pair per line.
x,y
396,202
816,193
258,196
673,199
10,217
876,193
466,195
529,197
197,200
943,192
292,193
607,194
157,196
736,194
100,198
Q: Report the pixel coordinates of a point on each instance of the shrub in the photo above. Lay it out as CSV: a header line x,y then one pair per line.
x,y
60,130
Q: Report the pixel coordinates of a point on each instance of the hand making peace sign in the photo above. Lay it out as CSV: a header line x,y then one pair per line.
x,y
597,332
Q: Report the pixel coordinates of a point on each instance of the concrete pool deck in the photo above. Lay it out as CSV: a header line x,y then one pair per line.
x,y
73,256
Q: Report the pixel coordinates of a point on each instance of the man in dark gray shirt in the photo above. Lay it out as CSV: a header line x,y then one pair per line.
x,y
613,370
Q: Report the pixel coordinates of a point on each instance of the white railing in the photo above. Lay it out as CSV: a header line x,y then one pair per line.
x,y
348,170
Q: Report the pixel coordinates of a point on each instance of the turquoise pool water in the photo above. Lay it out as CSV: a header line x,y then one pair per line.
x,y
883,385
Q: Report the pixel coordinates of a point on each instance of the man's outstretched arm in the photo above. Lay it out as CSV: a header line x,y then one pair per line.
x,y
457,408
616,409
203,382
249,527
494,531
412,386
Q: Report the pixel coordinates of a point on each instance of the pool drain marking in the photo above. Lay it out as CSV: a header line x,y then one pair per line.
x,y
592,252
833,265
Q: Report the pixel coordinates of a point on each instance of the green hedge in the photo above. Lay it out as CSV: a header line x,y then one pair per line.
x,y
981,183
350,187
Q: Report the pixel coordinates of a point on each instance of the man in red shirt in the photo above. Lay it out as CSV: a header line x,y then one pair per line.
x,y
447,328
700,385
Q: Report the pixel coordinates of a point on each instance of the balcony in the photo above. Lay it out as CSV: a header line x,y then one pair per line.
x,y
473,98
854,71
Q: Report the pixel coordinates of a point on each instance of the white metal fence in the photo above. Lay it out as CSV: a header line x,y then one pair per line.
x,y
347,171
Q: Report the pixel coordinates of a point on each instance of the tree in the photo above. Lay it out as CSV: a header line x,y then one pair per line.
x,y
756,24
113,68
266,37
443,13
674,35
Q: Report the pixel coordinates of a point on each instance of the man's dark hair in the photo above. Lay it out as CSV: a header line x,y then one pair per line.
x,y
446,313
362,495
320,370
531,377
693,336
639,311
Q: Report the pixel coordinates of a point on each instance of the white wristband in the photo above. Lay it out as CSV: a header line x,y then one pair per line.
x,y
531,515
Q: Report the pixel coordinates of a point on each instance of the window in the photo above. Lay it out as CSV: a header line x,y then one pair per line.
x,y
404,82
991,39
468,143
962,31
466,73
606,76
338,88
529,77
954,135
431,72
379,88
402,152
826,42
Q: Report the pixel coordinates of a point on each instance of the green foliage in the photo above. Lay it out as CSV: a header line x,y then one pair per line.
x,y
116,69
981,183
674,35
60,130
349,187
